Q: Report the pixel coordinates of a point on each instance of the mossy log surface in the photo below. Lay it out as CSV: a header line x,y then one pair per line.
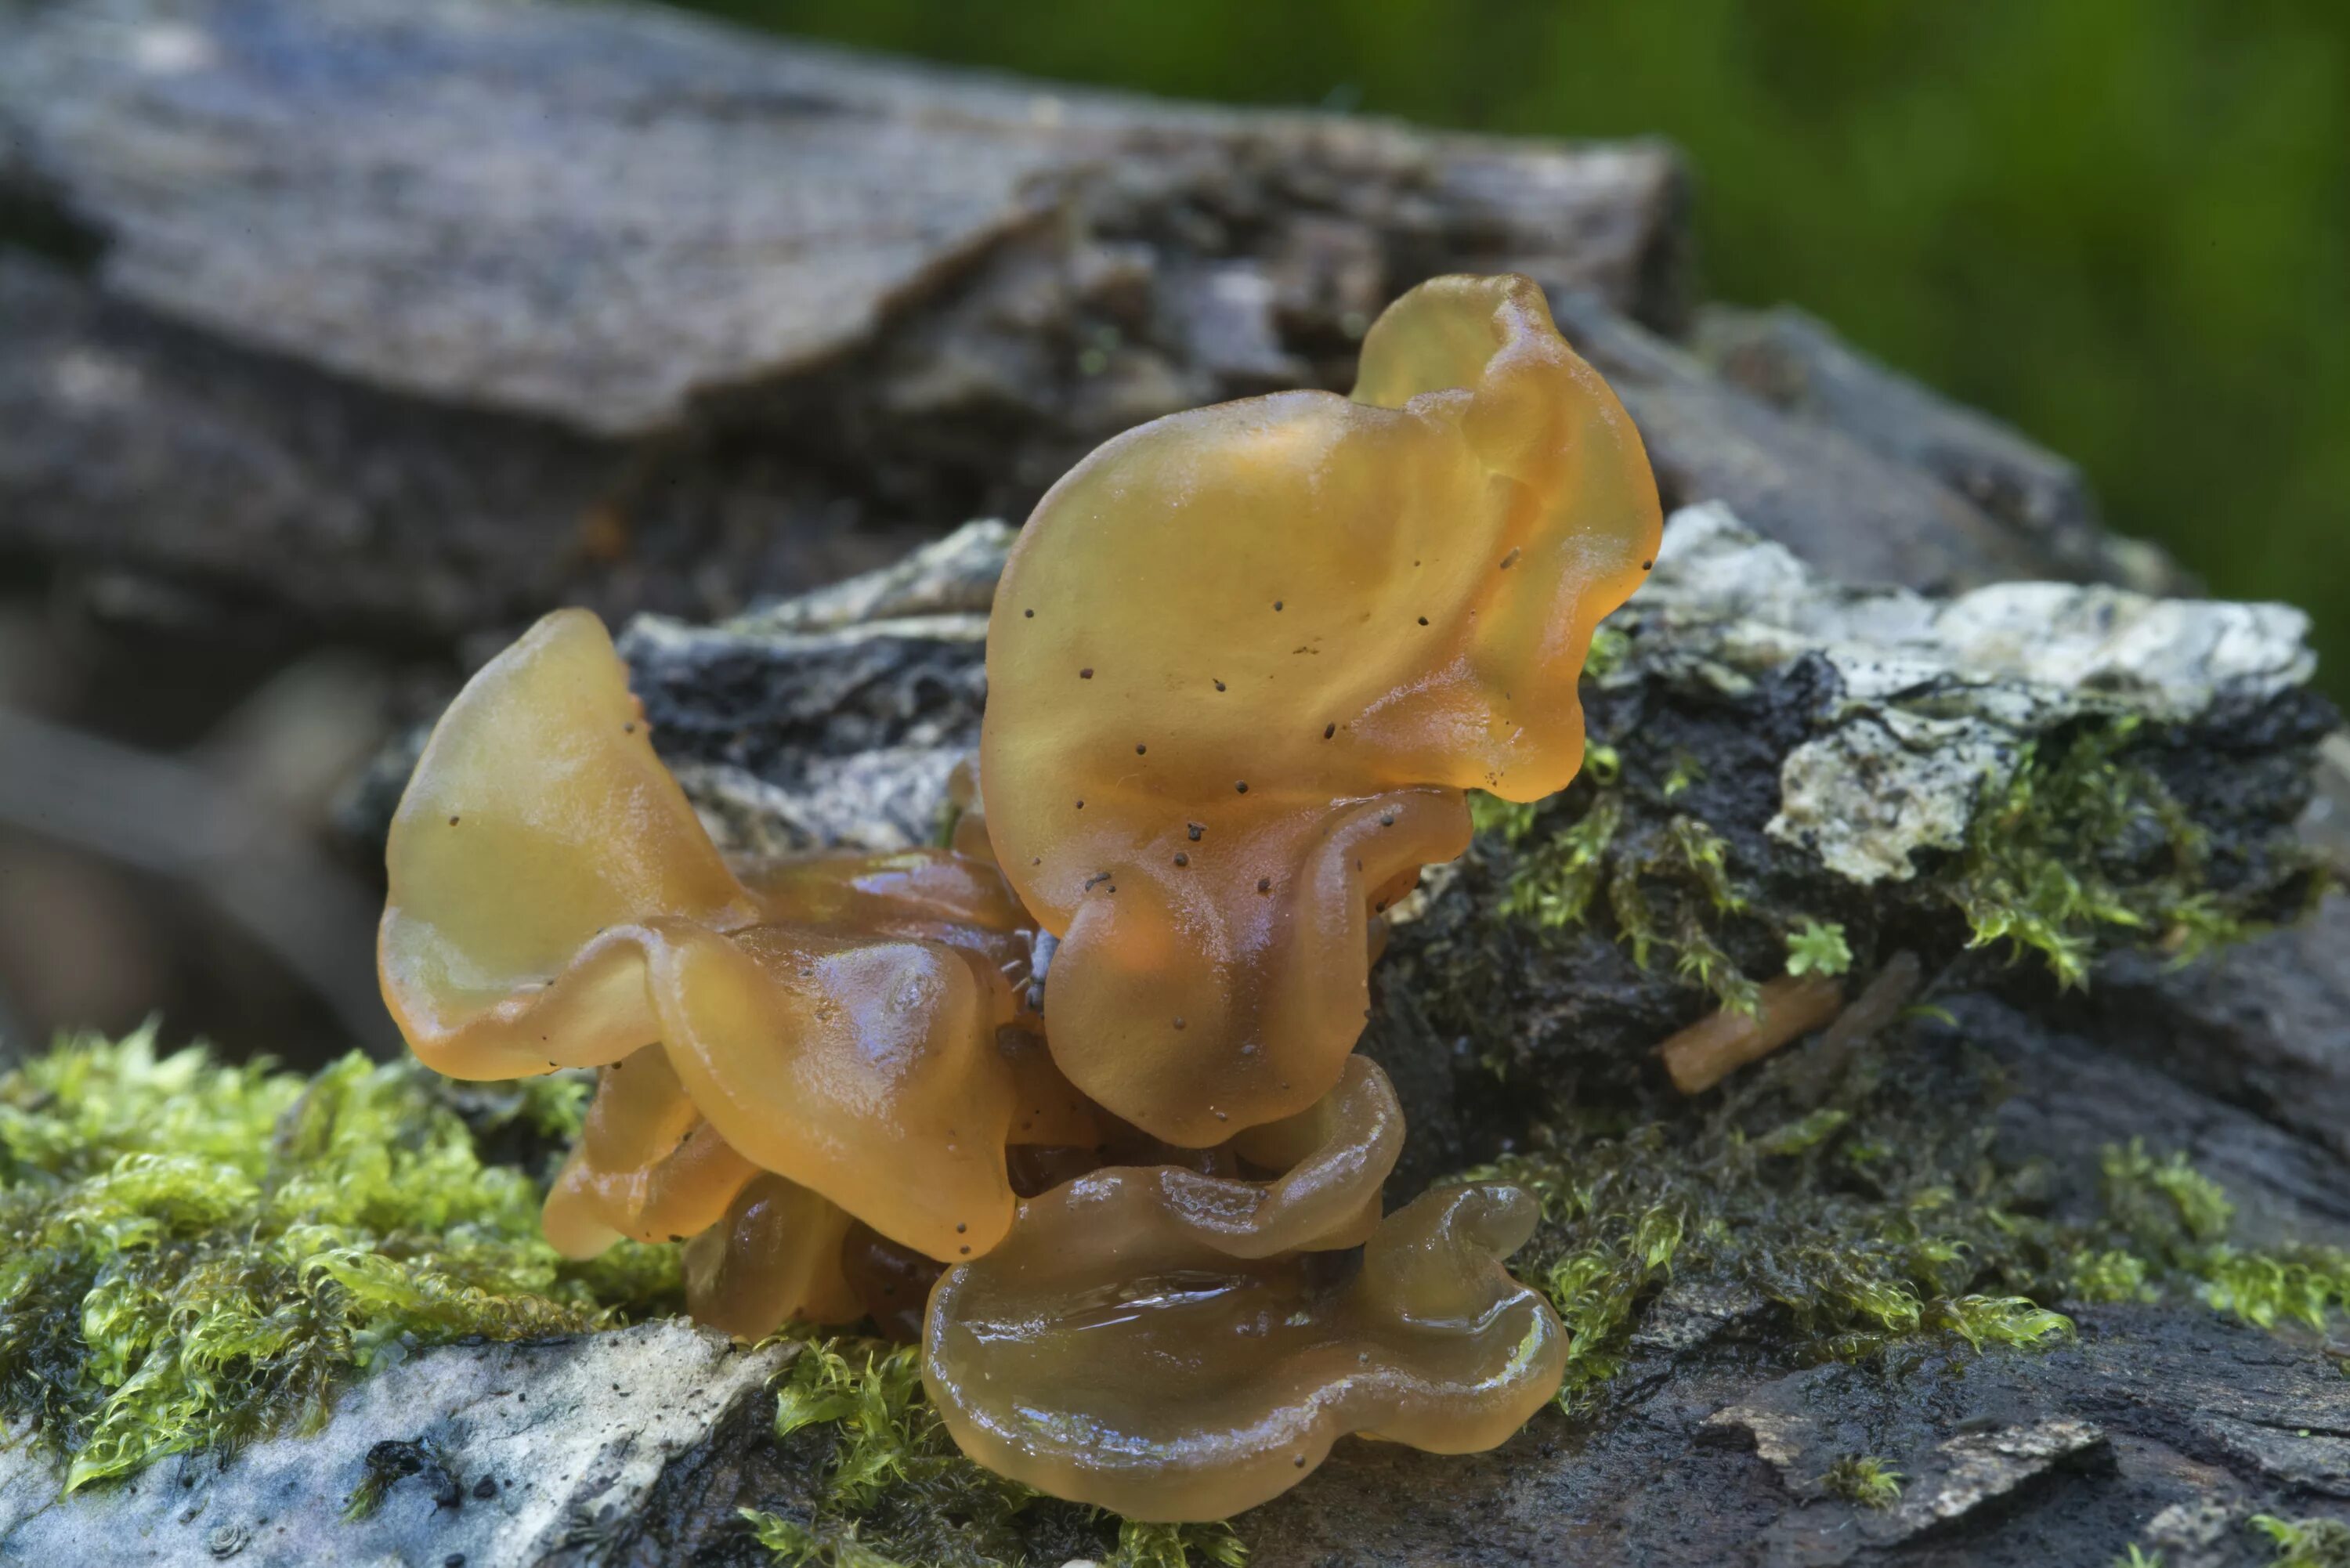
x,y
2040,1252
2036,1255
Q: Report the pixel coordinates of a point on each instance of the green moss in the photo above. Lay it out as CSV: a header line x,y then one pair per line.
x,y
1554,887
1872,1222
1665,889
1818,949
1507,820
1662,880
1609,649
2082,848
896,1490
2083,841
1176,1546
797,1545
1686,770
194,1254
1864,1480
2305,1543
2178,1221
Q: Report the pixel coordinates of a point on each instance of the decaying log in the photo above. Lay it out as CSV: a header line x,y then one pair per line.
x,y
434,315
834,718
411,321
403,320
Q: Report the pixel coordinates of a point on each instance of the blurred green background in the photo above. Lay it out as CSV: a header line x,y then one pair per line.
x,y
2122,224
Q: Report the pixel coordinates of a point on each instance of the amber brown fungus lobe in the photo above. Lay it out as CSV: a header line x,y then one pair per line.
x,y
1181,1346
1482,478
830,1037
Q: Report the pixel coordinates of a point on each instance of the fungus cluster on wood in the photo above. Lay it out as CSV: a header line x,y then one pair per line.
x,y
1244,666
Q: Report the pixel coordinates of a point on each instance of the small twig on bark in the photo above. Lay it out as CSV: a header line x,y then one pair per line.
x,y
1724,1041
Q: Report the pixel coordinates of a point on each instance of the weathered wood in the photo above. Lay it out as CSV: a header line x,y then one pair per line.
x,y
408,319
433,316
597,214
1796,362
1865,517
414,320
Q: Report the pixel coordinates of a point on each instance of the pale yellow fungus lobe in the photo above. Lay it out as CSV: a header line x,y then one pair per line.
x,y
1281,637
834,1022
1247,664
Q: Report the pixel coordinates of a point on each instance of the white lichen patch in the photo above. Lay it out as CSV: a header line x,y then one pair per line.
x,y
1871,791
1936,699
510,1453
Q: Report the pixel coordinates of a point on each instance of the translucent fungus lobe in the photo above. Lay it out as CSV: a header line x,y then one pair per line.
x,y
1107,1355
776,1055
1180,1344
1279,639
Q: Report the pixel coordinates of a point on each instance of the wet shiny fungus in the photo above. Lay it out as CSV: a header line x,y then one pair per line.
x,y
1112,1352
822,1027
1474,435
1119,1145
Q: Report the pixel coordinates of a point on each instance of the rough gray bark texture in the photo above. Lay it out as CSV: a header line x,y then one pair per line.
x,y
414,320
540,1453
437,314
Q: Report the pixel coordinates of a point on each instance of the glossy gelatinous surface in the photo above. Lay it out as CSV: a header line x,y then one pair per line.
x,y
554,902
1332,1158
892,1284
648,1165
1243,663
1110,1354
774,1255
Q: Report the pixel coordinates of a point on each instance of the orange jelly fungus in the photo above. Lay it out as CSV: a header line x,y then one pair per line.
x,y
1244,665
1272,644
823,1034
1182,1349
